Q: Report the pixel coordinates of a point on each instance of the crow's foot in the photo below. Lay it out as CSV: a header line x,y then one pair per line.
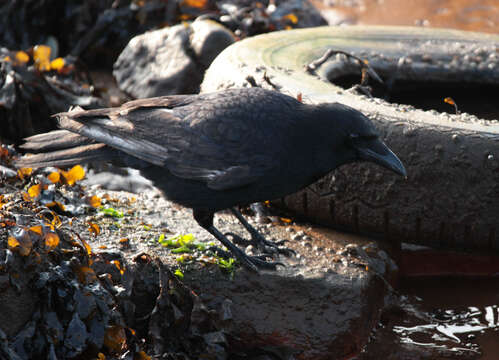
x,y
262,244
250,262
257,240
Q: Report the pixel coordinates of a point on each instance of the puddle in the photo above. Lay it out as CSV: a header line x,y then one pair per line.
x,y
464,313
441,318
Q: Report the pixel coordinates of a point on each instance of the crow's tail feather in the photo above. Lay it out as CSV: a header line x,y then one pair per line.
x,y
55,140
67,157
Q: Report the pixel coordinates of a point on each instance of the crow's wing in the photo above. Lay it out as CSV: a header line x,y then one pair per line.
x,y
198,137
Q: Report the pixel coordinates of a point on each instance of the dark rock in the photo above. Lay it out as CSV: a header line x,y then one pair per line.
x,y
53,328
248,18
96,330
22,342
306,14
171,60
85,303
311,310
16,307
76,337
5,351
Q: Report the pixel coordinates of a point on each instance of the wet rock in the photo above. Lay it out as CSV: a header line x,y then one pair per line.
x,y
84,303
54,328
96,330
5,351
76,337
170,60
313,316
22,343
307,311
17,308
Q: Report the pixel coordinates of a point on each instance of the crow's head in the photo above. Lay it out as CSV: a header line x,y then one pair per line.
x,y
354,138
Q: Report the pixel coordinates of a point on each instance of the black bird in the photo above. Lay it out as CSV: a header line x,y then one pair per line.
x,y
214,151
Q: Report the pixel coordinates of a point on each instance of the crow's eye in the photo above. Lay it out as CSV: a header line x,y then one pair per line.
x,y
360,140
353,139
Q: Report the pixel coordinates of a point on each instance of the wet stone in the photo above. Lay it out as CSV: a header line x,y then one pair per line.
x,y
54,329
76,337
85,303
22,343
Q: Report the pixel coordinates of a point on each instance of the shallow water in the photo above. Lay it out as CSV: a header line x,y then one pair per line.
x,y
464,311
441,318
471,15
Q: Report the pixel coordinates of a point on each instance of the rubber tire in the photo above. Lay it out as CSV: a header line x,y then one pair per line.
x,y
451,196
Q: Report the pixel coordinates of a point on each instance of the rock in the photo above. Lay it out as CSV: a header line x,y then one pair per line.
x,y
317,307
129,180
17,307
310,312
306,13
336,18
208,39
170,60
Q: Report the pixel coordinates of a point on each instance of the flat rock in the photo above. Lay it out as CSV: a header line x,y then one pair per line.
x,y
319,309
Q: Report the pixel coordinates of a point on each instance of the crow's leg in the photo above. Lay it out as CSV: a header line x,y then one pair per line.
x,y
257,239
253,263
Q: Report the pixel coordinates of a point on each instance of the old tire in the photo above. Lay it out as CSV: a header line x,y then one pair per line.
x,y
451,196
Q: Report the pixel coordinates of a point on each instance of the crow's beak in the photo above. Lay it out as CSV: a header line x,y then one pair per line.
x,y
377,152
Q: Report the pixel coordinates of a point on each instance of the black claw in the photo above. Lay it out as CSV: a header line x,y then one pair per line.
x,y
261,243
236,239
252,263
257,240
256,262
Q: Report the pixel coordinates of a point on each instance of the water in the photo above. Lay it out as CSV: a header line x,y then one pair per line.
x,y
440,318
471,15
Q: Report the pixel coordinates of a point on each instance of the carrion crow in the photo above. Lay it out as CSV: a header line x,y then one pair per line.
x,y
217,150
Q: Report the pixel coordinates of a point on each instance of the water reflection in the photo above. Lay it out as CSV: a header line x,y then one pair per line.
x,y
439,318
451,326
